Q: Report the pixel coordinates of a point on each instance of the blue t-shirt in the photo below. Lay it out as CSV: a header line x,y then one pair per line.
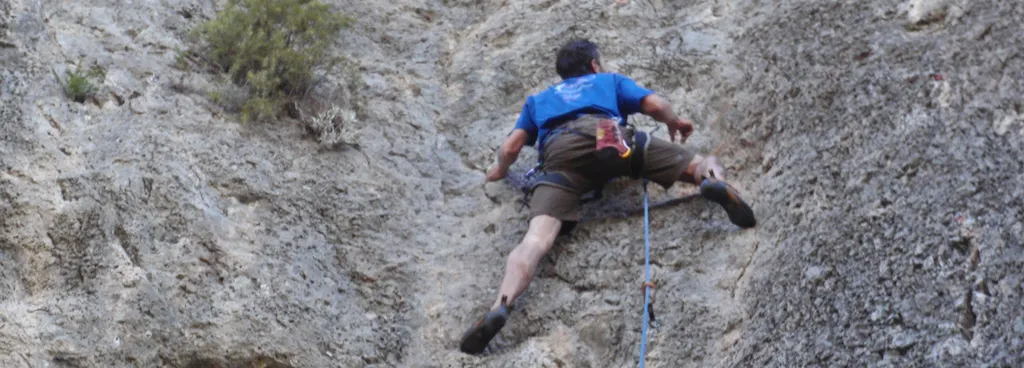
x,y
611,94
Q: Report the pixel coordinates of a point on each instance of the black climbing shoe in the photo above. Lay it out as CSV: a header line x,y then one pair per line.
x,y
724,194
477,337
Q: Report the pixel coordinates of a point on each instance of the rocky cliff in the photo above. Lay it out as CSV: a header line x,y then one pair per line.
x,y
879,142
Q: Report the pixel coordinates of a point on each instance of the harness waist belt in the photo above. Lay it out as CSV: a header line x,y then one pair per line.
x,y
636,163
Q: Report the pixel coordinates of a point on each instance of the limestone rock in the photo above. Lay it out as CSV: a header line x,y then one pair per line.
x,y
155,230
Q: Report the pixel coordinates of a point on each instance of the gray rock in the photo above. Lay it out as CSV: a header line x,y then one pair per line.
x,y
162,232
902,341
919,11
815,273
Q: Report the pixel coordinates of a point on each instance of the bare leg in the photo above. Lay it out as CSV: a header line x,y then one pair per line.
x,y
701,167
522,261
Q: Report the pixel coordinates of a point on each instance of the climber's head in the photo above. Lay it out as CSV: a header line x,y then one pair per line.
x,y
578,57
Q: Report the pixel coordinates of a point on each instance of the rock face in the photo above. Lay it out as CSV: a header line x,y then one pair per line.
x,y
880,143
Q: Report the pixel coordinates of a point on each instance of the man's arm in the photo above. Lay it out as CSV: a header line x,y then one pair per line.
x,y
507,154
658,108
633,99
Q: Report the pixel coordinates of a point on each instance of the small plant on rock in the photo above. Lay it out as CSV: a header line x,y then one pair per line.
x,y
76,84
334,126
272,47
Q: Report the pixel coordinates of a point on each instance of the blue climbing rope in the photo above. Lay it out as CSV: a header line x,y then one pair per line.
x,y
647,276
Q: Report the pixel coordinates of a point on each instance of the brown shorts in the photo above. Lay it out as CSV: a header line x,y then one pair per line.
x,y
573,155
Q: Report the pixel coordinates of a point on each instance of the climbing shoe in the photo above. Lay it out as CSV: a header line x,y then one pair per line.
x,y
724,194
477,337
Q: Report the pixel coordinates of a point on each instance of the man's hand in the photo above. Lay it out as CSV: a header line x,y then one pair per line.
x,y
507,154
659,108
683,127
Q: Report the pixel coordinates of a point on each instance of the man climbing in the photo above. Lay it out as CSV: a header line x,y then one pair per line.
x,y
580,131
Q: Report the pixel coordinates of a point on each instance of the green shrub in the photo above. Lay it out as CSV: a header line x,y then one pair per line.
x,y
272,47
181,60
76,84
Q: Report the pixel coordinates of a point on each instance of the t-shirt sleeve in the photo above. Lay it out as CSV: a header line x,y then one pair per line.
x,y
526,123
629,94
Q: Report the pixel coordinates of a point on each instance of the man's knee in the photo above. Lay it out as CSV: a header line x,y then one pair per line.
x,y
532,246
543,230
538,239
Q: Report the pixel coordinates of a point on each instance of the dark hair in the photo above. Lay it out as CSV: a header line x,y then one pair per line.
x,y
574,58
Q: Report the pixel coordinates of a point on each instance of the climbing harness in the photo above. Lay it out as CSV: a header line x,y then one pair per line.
x,y
610,144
